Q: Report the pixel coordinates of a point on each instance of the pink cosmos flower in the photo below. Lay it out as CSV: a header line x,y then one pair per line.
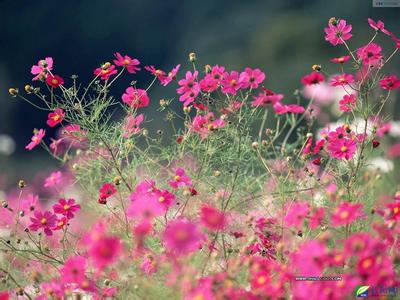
x,y
312,78
146,206
180,179
182,236
107,190
266,97
390,82
296,213
166,198
379,26
189,88
212,218
393,211
171,76
205,124
370,54
136,97
104,251
30,202
132,125
45,221
232,83
338,33
346,213
310,259
317,218
160,74
149,265
74,270
55,117
212,80
54,81
36,139
66,207
342,148
53,288
251,78
42,68
340,60
342,79
131,64
347,103
53,179
106,72
281,109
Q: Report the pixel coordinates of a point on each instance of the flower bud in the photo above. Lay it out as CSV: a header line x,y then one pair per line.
x,y
309,135
4,204
264,143
21,213
28,88
192,57
106,65
316,68
217,173
186,109
13,91
333,21
107,282
207,69
163,103
21,184
254,145
117,180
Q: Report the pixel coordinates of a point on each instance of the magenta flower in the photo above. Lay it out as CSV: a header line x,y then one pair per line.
x,y
189,88
55,117
390,82
312,78
212,218
378,26
340,60
54,81
171,76
347,103
296,213
281,109
53,179
131,64
212,80
146,207
232,83
182,236
317,218
104,251
166,198
46,221
36,139
346,213
160,74
180,179
42,68
342,79
66,207
266,97
344,148
107,190
74,270
132,125
370,54
251,78
205,124
136,97
105,72
338,33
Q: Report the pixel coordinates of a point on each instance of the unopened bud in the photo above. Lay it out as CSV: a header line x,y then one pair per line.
x,y
117,180
207,69
333,21
192,57
21,184
13,91
106,65
316,68
28,88
254,145
186,109
217,173
163,103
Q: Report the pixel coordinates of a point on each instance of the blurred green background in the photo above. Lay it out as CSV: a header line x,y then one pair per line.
x,y
283,38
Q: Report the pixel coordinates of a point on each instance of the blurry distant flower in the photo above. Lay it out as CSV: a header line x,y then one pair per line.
x,y
390,82
55,117
54,81
146,206
36,139
266,97
378,26
312,78
341,60
131,64
394,151
346,213
381,164
136,97
74,270
42,68
132,125
212,218
342,79
338,33
296,213
53,179
347,103
7,144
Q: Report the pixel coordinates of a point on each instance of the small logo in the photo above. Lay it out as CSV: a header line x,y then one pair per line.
x,y
386,3
362,291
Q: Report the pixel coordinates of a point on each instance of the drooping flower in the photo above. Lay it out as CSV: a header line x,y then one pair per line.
x,y
347,103
136,97
346,213
251,78
370,54
378,26
53,179
212,218
45,221
131,64
42,68
189,88
55,117
182,236
54,81
337,32
132,125
66,207
340,60
171,75
36,139
312,78
342,79
390,82
180,179
106,71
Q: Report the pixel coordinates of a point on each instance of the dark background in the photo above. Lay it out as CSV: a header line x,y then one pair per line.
x,y
282,37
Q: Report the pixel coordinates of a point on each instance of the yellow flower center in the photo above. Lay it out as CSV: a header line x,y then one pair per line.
x,y
126,61
396,210
261,280
367,263
66,207
43,221
177,177
343,149
161,199
54,81
181,235
344,215
233,82
56,117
